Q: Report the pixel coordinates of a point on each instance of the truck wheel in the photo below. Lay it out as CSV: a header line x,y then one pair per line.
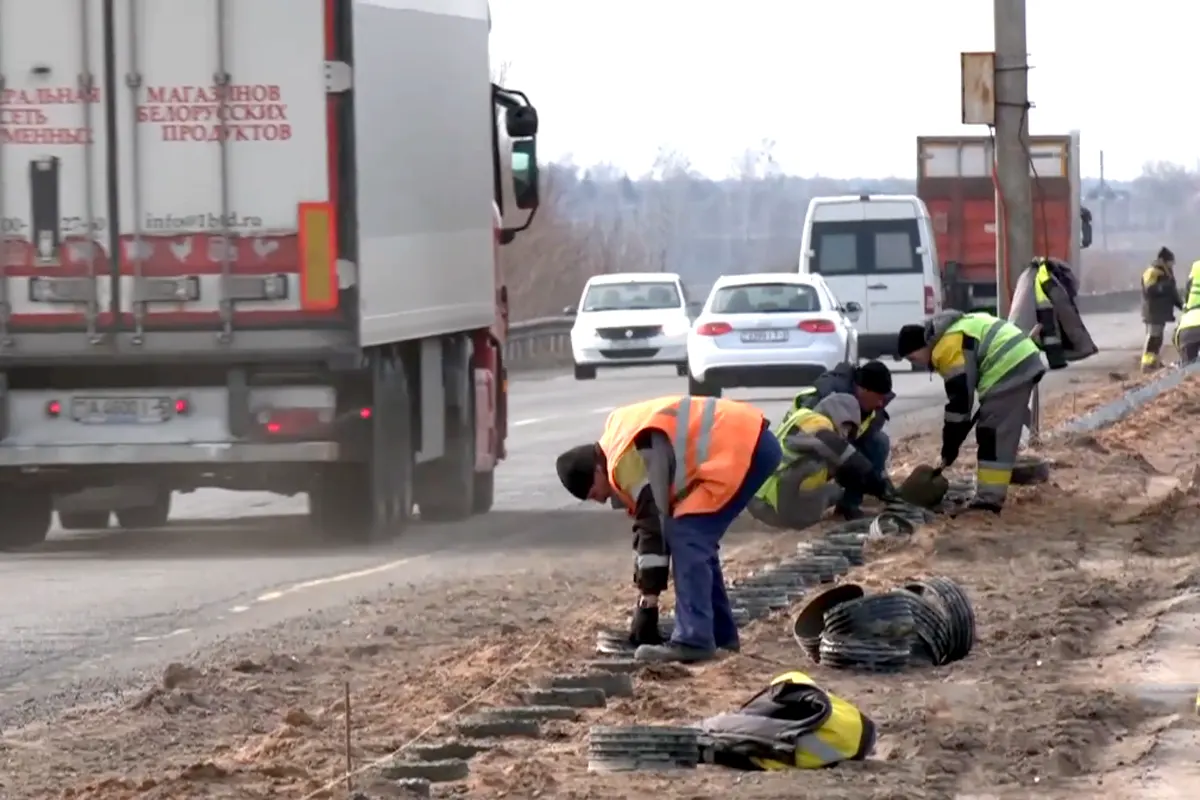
x,y
446,488
27,517
360,502
142,517
83,520
485,491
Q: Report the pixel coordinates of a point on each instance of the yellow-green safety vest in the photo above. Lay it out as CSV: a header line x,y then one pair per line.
x,y
1002,346
1193,298
808,421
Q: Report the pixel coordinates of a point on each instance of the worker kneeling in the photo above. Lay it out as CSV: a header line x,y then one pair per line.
x,y
684,468
791,724
978,354
818,464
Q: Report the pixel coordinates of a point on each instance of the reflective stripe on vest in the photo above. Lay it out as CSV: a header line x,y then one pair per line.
x,y
808,421
683,441
1001,347
809,395
1193,298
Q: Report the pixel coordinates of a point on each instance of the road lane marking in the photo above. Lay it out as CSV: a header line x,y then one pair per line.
x,y
171,635
521,423
267,597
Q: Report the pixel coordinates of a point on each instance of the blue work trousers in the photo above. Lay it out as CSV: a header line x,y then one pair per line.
x,y
703,615
876,447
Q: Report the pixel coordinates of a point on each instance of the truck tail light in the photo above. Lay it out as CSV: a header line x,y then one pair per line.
x,y
318,257
817,326
928,300
714,329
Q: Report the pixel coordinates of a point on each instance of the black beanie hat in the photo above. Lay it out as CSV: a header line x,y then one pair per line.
x,y
1165,254
874,376
910,340
577,469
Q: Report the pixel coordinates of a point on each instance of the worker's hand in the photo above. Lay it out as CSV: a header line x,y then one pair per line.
x,y
643,629
1036,332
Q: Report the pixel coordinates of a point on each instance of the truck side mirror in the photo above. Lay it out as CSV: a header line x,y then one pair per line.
x,y
521,122
1085,228
525,173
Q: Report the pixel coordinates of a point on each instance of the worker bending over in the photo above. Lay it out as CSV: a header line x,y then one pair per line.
x,y
871,386
684,468
819,465
979,355
1160,298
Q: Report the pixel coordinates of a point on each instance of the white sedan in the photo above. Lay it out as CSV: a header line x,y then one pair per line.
x,y
769,329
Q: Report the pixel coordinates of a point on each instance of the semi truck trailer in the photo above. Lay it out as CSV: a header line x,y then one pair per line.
x,y
955,180
252,244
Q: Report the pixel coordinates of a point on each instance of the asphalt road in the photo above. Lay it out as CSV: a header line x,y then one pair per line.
x,y
88,607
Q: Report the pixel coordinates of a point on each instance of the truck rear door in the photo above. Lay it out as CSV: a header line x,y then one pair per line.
x,y
55,272
222,179
187,187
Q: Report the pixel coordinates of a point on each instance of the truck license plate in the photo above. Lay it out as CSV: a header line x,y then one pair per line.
x,y
765,336
121,410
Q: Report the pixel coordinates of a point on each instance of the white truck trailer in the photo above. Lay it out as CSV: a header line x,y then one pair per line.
x,y
251,244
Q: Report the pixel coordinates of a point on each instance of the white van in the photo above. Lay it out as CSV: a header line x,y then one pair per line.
x,y
878,251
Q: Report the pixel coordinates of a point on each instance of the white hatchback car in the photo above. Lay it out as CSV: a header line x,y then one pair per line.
x,y
630,319
769,329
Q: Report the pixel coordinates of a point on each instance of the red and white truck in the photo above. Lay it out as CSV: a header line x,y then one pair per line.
x,y
252,244
955,181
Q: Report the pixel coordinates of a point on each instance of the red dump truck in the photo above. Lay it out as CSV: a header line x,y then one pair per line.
x,y
955,181
252,245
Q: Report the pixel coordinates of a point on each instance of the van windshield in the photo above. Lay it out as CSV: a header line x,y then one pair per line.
x,y
630,296
884,246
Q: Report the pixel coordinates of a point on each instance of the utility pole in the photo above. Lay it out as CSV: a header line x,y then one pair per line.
x,y
1014,223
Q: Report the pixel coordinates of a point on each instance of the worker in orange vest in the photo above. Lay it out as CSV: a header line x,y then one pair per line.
x,y
684,468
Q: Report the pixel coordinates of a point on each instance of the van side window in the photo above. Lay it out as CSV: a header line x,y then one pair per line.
x,y
837,254
894,251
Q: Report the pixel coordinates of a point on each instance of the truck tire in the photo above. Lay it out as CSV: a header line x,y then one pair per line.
x,y
83,520
485,491
27,516
360,502
142,517
446,488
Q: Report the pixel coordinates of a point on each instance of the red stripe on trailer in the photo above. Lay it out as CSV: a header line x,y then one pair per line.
x,y
201,254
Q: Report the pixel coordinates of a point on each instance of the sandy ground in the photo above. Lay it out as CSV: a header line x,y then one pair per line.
x,y
1085,590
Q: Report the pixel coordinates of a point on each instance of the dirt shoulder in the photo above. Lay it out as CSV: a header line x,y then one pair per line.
x,y
1067,585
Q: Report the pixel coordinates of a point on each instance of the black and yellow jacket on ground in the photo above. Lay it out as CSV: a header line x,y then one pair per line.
x,y
1045,295
1160,294
792,724
977,355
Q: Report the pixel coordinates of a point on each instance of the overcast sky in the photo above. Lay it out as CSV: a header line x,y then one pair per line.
x,y
842,87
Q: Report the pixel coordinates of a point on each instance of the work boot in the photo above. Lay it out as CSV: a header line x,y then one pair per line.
x,y
732,647
672,652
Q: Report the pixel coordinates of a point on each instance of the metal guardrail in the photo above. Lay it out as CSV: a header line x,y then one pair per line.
x,y
546,342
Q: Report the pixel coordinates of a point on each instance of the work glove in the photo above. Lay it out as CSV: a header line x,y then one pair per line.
x,y
643,629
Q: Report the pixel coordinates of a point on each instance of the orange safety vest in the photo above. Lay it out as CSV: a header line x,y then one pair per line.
x,y
712,455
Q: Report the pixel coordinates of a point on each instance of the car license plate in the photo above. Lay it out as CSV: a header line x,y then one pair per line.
x,y
629,344
120,410
765,336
